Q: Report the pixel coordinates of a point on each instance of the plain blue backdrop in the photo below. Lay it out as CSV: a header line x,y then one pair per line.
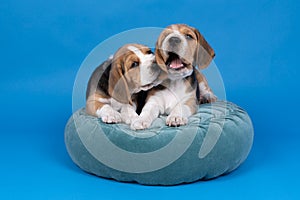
x,y
43,44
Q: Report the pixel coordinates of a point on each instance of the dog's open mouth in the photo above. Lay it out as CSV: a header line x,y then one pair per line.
x,y
175,62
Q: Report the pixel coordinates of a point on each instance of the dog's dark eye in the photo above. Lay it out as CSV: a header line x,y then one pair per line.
x,y
149,52
134,64
189,37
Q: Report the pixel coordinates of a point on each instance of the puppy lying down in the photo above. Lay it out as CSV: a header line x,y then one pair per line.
x,y
112,95
179,49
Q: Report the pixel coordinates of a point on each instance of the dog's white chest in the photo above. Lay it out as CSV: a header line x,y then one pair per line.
x,y
174,94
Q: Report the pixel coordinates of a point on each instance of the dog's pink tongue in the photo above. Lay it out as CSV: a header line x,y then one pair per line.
x,y
176,63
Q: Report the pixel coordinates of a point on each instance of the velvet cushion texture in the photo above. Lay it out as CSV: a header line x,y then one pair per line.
x,y
217,139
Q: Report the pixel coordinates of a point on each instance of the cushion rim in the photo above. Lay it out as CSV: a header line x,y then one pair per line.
x,y
86,161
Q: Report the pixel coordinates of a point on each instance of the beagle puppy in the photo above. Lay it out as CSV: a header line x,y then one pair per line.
x,y
179,49
113,86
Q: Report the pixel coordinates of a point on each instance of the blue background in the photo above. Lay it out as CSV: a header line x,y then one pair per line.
x,y
43,43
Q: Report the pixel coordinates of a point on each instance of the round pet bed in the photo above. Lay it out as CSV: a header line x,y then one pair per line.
x,y
217,139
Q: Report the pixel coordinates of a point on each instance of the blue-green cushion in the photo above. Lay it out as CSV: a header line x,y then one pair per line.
x,y
217,139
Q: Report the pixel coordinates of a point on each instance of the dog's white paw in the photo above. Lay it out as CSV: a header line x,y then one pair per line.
x,y
129,116
176,120
139,124
109,115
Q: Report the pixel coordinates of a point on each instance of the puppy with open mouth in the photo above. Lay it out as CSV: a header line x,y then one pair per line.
x,y
179,49
113,87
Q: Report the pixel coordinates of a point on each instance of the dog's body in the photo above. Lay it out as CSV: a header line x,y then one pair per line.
x,y
112,89
179,50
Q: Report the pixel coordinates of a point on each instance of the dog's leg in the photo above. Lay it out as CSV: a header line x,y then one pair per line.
x,y
180,113
101,109
108,114
206,94
128,113
149,113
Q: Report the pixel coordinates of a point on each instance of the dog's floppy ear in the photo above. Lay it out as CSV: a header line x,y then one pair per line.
x,y
204,53
117,87
159,57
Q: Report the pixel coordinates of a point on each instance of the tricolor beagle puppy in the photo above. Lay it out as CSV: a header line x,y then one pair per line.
x,y
179,49
112,89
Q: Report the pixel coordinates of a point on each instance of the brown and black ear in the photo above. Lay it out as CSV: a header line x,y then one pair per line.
x,y
117,85
158,55
204,53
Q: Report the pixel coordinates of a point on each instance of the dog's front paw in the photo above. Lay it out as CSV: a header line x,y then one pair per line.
x,y
208,97
109,115
129,116
112,117
176,120
139,124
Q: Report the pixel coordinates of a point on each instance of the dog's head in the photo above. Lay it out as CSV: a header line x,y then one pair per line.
x,y
133,69
180,47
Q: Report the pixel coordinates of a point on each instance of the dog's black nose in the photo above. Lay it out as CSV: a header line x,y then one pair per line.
x,y
174,40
